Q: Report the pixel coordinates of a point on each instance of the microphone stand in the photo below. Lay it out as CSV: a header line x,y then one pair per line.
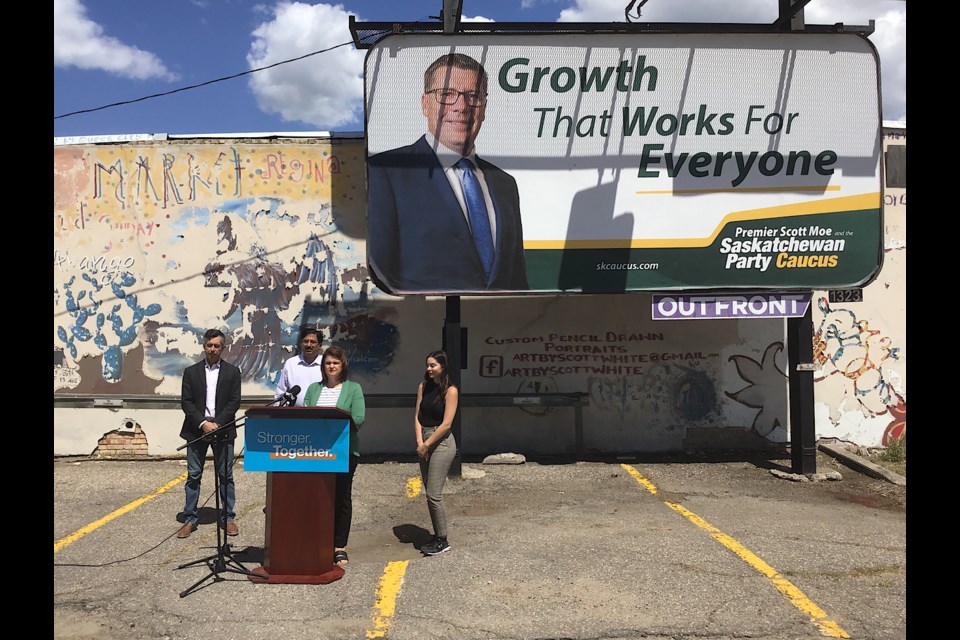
x,y
222,560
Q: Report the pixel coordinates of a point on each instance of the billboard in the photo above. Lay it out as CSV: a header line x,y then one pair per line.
x,y
623,162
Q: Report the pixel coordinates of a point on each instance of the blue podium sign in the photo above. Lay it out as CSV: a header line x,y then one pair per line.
x,y
297,439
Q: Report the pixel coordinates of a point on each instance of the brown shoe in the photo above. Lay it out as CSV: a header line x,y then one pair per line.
x,y
186,530
232,529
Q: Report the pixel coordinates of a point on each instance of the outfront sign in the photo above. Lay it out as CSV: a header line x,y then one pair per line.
x,y
755,305
616,162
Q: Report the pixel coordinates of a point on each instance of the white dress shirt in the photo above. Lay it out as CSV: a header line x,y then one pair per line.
x,y
298,372
447,159
213,375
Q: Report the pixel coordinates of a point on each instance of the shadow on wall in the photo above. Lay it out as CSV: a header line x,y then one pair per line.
x,y
586,221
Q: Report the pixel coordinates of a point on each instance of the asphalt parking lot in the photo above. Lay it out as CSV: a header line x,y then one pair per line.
x,y
633,548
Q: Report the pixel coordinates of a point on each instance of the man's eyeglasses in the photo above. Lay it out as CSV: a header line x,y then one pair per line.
x,y
450,96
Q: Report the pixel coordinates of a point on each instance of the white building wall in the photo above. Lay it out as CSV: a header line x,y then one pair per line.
x,y
861,347
156,241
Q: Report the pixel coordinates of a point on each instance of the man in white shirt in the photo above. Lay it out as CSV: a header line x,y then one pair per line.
x,y
304,368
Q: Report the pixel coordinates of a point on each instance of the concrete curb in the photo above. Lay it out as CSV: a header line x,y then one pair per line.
x,y
858,463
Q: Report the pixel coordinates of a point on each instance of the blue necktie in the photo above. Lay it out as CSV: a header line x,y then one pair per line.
x,y
477,213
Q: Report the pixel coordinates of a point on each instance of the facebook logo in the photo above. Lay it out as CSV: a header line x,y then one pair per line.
x,y
491,366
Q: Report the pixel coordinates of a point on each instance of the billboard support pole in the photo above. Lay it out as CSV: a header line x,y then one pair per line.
x,y
452,10
453,341
803,433
791,14
803,436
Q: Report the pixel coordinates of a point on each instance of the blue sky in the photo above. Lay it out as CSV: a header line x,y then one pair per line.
x,y
107,51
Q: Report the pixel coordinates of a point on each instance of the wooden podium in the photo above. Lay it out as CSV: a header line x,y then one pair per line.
x,y
301,449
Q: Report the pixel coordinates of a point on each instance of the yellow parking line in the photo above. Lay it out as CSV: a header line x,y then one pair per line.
x,y
414,486
386,603
76,535
827,627
799,600
391,580
646,484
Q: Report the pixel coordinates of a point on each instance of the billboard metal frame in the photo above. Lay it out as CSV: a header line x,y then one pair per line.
x,y
367,34
790,19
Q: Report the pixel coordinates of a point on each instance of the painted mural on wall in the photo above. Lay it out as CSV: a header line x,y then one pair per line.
x,y
860,347
156,243
764,380
648,383
862,359
626,373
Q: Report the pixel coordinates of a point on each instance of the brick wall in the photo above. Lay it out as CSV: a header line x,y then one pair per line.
x,y
122,445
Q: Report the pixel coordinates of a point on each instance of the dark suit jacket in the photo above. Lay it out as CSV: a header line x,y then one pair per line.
x,y
419,239
193,399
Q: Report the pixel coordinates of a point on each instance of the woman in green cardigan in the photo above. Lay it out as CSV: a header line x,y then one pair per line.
x,y
334,390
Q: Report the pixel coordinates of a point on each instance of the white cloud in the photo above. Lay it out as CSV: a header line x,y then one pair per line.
x,y
890,39
530,4
80,42
889,36
672,11
325,90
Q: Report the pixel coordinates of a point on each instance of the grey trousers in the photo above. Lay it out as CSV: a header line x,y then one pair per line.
x,y
433,473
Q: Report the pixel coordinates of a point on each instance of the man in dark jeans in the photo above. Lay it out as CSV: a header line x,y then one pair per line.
x,y
210,399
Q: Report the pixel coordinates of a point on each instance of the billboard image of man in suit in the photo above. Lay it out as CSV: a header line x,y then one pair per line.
x,y
440,218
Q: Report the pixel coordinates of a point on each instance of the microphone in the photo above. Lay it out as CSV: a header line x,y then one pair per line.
x,y
291,396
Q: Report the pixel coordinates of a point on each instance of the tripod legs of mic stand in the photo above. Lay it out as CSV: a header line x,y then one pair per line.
x,y
222,561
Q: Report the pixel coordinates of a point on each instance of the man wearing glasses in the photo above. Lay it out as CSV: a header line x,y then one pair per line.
x,y
441,218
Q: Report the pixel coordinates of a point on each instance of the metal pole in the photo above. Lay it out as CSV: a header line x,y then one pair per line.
x,y
791,14
803,436
452,9
453,345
